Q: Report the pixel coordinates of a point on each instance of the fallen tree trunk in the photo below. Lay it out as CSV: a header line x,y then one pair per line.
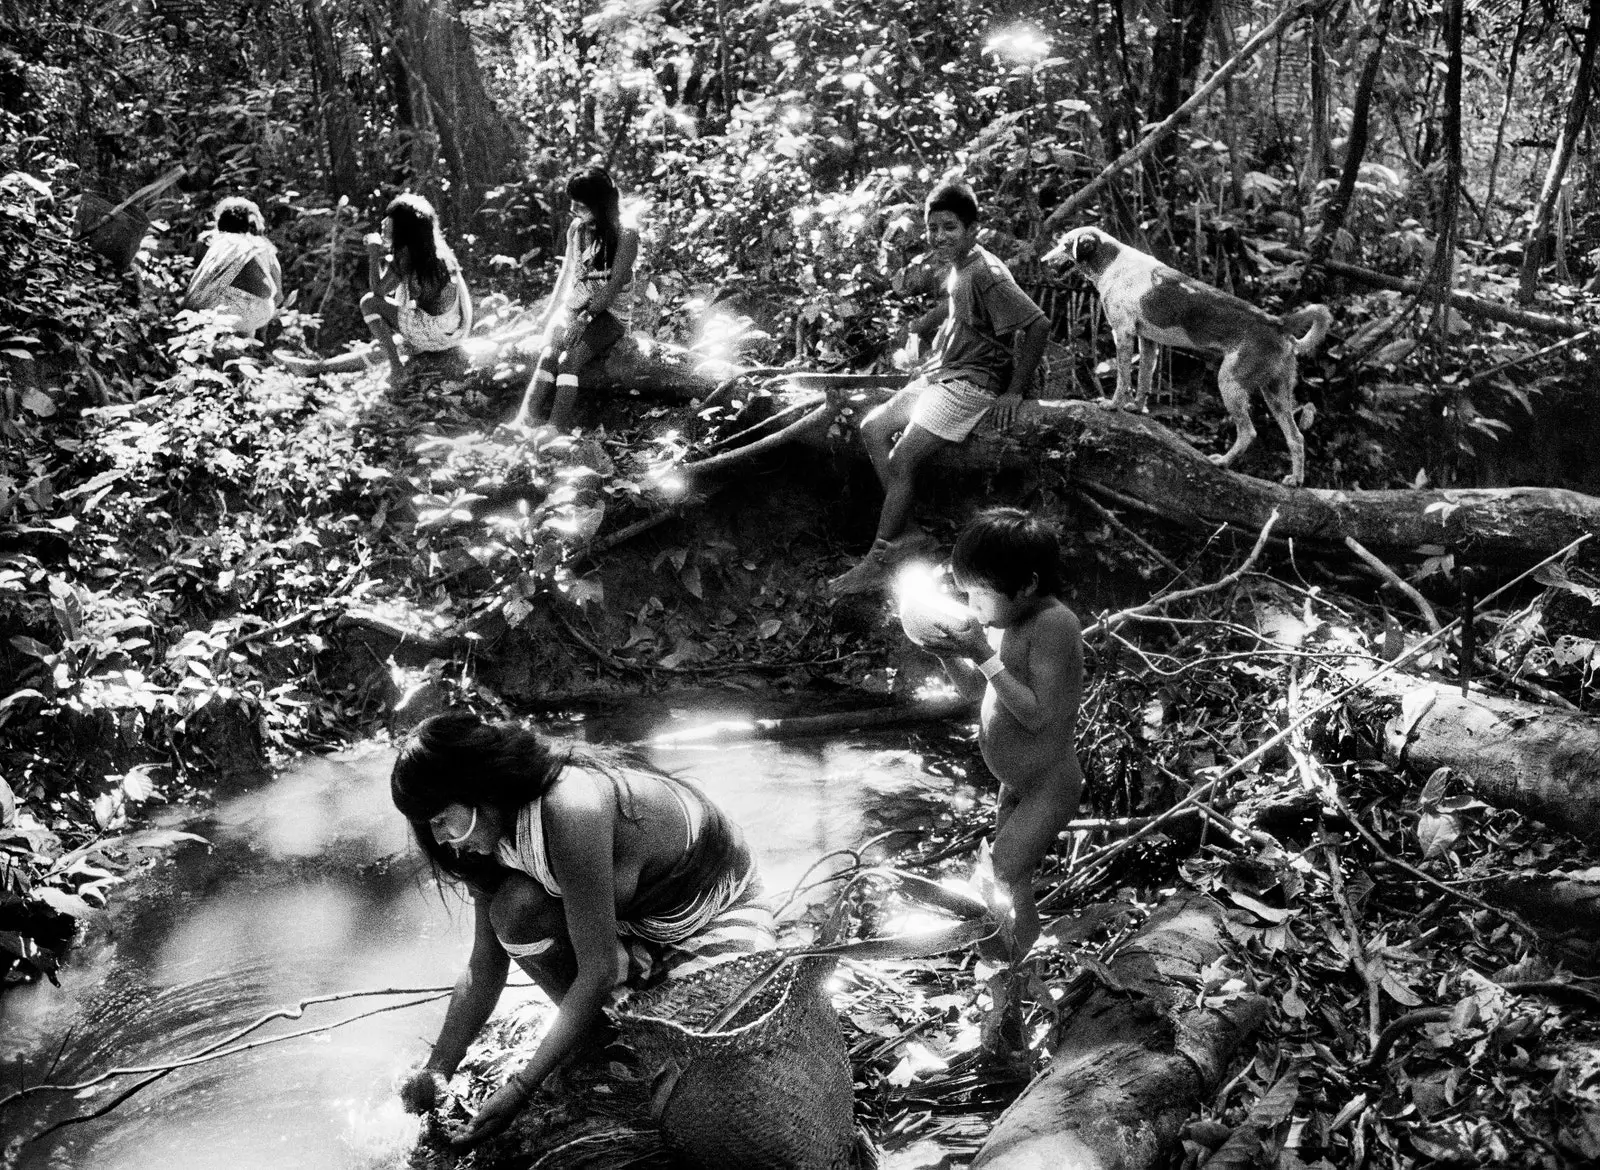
x,y
1465,302
1135,460
1535,759
1566,910
1542,762
1135,1060
634,366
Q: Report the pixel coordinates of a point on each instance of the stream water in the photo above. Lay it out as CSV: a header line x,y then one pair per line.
x,y
310,888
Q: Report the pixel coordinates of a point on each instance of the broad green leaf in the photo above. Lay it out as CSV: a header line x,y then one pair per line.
x,y
63,902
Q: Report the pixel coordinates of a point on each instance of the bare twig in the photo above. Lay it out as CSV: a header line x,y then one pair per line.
x,y
1384,855
1118,618
1358,950
1195,795
1377,566
1115,521
227,1046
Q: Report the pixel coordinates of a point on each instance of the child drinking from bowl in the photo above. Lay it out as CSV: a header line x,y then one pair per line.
x,y
1024,650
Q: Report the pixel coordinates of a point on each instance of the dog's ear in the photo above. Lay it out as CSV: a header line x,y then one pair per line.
x,y
1084,247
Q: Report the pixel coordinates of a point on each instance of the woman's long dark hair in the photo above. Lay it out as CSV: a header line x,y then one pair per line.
x,y
593,187
416,232
458,758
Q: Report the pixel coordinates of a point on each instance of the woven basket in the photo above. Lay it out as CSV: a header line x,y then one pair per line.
x,y
770,1089
118,237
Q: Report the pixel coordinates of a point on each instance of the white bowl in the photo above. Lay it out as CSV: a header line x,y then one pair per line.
x,y
927,615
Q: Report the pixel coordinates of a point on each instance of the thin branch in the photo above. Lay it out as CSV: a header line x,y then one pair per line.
x,y
1358,950
221,1048
1115,521
1221,583
1394,579
1199,793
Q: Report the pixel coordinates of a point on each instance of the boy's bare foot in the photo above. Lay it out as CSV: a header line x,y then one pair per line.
x,y
869,573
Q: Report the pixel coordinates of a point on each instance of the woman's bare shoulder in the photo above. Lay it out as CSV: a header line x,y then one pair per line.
x,y
580,790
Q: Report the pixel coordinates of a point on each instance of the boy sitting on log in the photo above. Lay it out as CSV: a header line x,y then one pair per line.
x,y
1024,649
971,372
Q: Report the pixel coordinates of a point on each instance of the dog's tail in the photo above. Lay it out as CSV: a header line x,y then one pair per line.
x,y
1308,326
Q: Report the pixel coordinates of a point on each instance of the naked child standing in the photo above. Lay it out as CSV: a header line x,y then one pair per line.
x,y
1025,650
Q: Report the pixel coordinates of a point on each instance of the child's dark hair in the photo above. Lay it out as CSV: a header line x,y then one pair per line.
x,y
595,189
238,214
956,197
1006,549
416,232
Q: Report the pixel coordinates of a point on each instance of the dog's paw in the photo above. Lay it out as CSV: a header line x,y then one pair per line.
x,y
1136,407
1293,480
1219,460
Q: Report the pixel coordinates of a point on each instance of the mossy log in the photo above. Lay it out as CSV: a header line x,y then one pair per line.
x,y
1136,1059
1134,459
1537,760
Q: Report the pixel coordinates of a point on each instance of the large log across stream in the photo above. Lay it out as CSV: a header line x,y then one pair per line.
x,y
1137,460
1134,459
1133,1062
1126,457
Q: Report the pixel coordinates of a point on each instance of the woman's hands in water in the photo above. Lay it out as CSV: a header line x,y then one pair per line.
x,y
423,1090
497,1113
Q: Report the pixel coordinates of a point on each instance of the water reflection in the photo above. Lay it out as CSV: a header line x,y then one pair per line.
x,y
313,888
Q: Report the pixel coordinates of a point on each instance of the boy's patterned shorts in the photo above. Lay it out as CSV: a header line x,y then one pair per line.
x,y
950,409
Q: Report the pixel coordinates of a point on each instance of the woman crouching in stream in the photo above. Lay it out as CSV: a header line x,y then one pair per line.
x,y
592,874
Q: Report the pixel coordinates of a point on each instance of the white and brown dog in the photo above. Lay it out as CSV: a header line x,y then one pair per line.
x,y
1157,305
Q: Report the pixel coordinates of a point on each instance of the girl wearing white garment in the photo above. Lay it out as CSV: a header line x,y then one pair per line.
x,y
239,276
590,874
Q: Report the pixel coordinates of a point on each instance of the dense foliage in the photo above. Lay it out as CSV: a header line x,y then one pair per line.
x,y
182,524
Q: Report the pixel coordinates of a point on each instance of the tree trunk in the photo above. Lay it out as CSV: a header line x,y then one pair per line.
x,y
1442,272
1566,144
1230,108
1174,62
1537,760
1138,461
1317,147
1356,150
1134,1062
1505,115
337,109
1471,305
451,107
